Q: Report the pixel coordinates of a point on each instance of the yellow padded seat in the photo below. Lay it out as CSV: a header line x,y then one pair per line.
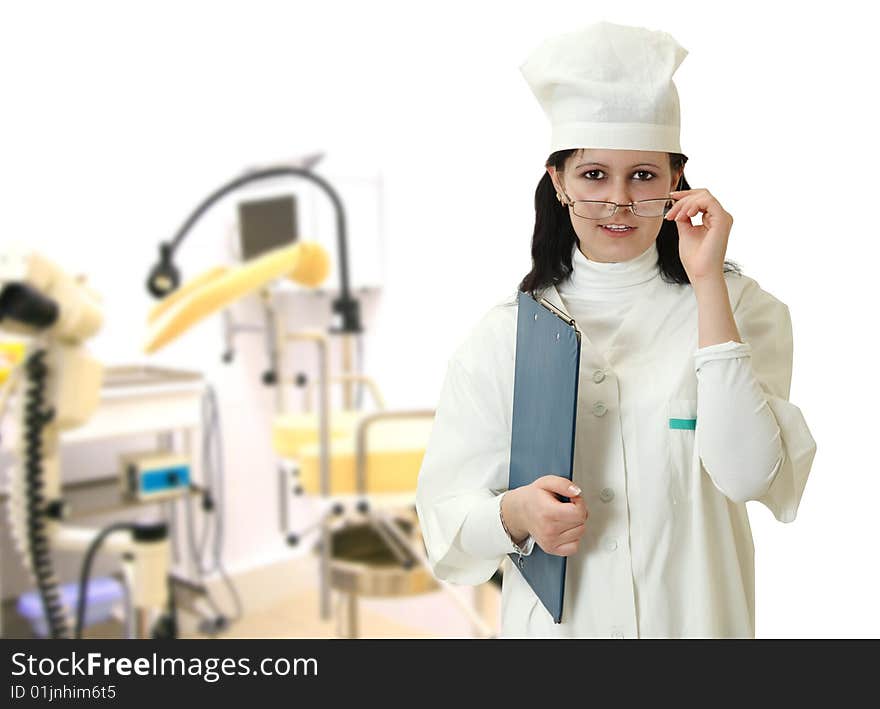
x,y
291,432
395,448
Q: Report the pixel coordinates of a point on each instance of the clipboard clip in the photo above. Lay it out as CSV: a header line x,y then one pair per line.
x,y
556,311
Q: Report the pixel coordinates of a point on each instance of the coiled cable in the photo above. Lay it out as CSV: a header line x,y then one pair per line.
x,y
36,417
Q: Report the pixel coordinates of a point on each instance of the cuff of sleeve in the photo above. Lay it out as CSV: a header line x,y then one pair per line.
x,y
723,350
526,547
483,533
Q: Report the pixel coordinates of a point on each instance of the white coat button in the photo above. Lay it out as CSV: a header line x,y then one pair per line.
x,y
606,495
611,544
598,376
599,409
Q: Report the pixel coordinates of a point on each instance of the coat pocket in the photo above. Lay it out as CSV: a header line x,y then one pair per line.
x,y
681,437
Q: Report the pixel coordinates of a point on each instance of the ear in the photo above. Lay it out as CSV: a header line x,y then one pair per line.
x,y
554,176
676,178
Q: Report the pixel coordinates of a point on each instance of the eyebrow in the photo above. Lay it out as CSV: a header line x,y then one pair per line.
x,y
584,164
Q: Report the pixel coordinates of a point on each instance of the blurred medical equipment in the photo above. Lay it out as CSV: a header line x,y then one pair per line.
x,y
103,596
164,278
371,464
210,560
153,475
305,263
57,314
266,224
178,409
370,459
263,225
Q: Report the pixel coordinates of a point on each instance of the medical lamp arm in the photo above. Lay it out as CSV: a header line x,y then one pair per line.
x,y
165,277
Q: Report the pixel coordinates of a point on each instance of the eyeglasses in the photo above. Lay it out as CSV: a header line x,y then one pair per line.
x,y
593,209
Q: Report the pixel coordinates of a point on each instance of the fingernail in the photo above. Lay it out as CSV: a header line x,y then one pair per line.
x,y
575,490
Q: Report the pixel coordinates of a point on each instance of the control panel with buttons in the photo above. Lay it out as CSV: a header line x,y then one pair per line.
x,y
153,475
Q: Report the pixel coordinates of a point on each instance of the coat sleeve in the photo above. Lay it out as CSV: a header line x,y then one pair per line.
x,y
464,473
739,440
765,324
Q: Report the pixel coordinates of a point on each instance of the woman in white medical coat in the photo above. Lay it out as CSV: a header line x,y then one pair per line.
x,y
656,534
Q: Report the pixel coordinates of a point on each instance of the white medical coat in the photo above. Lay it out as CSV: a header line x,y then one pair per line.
x,y
665,552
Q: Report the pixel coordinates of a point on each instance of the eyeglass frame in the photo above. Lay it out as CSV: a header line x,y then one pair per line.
x,y
617,206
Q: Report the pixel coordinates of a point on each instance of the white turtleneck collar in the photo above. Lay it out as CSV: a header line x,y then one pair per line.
x,y
594,277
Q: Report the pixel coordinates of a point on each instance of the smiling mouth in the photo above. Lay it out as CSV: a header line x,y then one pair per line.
x,y
617,231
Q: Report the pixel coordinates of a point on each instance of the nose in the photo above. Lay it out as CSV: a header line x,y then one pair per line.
x,y
621,196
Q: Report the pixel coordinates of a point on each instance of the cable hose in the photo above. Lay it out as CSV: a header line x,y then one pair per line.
x,y
214,519
213,447
35,419
87,570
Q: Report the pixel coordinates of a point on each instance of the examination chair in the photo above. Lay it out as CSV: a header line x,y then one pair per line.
x,y
368,461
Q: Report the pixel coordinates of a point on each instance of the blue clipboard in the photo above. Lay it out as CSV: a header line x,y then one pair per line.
x,y
545,389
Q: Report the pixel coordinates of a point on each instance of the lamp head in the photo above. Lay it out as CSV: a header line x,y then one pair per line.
x,y
165,276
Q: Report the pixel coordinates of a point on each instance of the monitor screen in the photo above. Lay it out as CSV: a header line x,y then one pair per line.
x,y
266,224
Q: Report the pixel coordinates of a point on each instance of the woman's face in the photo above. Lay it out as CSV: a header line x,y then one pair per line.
x,y
621,176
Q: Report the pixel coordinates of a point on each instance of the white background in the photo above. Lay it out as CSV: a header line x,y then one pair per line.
x,y
117,118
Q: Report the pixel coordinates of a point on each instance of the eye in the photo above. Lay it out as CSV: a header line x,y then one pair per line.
x,y
637,172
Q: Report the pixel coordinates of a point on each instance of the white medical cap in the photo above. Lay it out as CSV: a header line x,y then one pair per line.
x,y
608,86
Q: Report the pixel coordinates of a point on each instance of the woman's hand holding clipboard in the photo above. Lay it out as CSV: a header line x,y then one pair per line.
x,y
551,510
